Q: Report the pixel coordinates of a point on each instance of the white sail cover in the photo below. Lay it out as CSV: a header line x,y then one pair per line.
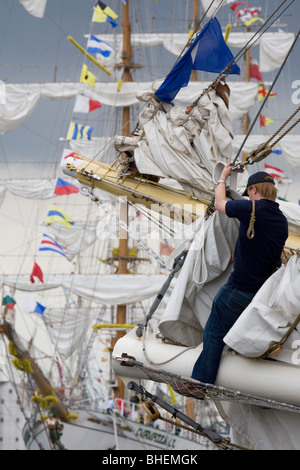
x,y
206,268
68,328
273,47
32,189
254,427
22,99
171,143
268,318
2,194
265,321
76,240
114,289
35,7
101,148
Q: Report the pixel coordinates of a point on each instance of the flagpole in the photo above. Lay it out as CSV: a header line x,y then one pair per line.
x,y
195,25
89,56
123,206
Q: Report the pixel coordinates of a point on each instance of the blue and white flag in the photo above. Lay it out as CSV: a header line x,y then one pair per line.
x,y
209,52
49,244
39,308
97,46
30,305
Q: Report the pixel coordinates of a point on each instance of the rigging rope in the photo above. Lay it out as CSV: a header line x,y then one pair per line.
x,y
247,46
238,56
132,233
13,380
263,150
283,125
193,426
265,100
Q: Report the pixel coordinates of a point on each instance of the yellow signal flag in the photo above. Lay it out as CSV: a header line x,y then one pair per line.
x,y
102,13
55,214
107,10
99,16
120,83
79,131
253,20
87,77
268,121
227,32
264,121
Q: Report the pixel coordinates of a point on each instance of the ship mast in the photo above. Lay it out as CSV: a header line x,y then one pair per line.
x,y
123,239
195,25
189,404
29,364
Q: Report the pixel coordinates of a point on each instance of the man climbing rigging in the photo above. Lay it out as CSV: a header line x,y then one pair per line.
x,y
262,235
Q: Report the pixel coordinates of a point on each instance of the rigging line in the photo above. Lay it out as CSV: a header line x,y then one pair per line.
x,y
197,28
198,23
265,100
17,202
133,117
247,46
218,8
132,233
241,52
60,29
109,141
153,219
16,389
9,16
287,131
48,140
43,422
135,114
82,363
58,339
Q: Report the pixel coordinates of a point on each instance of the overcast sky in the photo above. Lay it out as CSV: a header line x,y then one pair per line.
x,y
36,50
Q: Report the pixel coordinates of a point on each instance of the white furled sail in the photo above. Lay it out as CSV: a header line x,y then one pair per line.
x,y
22,99
115,289
273,46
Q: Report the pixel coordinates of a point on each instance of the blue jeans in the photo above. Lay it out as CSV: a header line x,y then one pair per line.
x,y
227,306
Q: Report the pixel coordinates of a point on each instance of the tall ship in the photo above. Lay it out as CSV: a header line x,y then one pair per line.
x,y
122,237
189,144
72,283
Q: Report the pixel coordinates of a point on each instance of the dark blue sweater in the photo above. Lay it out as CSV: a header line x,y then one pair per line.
x,y
256,259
